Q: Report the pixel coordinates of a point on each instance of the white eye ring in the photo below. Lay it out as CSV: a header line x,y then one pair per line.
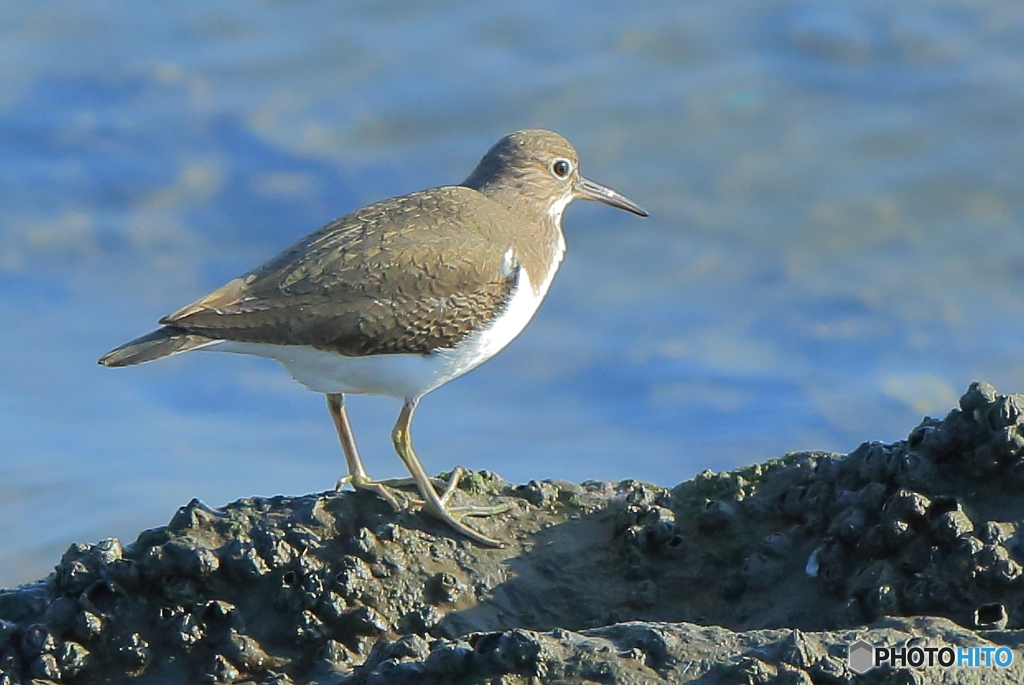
x,y
561,168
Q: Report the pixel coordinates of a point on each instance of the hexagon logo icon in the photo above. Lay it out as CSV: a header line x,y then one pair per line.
x,y
861,657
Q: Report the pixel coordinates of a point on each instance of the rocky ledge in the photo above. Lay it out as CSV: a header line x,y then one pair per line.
x,y
762,575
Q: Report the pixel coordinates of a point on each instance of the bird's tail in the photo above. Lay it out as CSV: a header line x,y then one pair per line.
x,y
162,342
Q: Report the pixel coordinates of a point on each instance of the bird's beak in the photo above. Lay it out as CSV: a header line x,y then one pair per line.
x,y
588,190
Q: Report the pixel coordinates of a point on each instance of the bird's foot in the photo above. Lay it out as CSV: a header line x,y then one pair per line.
x,y
385,489
453,515
380,488
436,506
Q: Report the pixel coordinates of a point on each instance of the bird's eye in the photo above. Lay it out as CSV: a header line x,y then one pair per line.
x,y
561,168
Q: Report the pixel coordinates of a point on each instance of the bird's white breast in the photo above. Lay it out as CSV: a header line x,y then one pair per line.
x,y
405,376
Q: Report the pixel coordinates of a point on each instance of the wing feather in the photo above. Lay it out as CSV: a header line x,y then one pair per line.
x,y
406,275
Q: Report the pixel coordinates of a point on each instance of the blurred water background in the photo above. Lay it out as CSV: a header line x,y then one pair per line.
x,y
834,250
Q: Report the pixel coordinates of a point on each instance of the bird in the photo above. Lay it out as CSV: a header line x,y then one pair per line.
x,y
400,297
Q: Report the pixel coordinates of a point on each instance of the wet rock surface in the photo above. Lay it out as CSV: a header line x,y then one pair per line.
x,y
761,575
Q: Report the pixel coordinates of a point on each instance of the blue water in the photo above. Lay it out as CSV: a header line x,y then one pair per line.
x,y
835,245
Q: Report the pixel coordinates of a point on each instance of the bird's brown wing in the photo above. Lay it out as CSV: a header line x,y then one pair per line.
x,y
407,275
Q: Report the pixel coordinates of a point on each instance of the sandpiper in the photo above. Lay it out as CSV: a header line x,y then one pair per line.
x,y
401,296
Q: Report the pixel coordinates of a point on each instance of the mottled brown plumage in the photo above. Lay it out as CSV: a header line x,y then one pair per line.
x,y
407,275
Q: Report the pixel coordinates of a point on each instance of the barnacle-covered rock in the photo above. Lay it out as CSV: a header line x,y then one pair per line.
x,y
134,652
990,617
220,670
952,524
87,626
45,667
71,658
245,562
37,640
538,493
245,652
336,588
421,621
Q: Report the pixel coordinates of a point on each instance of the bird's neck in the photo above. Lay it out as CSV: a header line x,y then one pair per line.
x,y
516,194
543,243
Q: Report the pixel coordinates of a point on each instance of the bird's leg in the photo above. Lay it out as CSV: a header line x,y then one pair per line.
x,y
433,504
357,475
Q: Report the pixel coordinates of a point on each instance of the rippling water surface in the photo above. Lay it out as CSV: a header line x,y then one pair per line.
x,y
835,245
